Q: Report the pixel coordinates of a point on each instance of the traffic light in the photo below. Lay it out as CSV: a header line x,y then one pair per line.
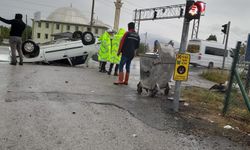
x,y
224,29
155,14
194,10
181,12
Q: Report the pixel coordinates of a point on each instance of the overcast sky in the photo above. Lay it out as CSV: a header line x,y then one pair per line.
x,y
218,12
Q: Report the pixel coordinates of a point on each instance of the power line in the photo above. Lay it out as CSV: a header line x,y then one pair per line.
x,y
34,3
110,5
37,4
132,4
46,5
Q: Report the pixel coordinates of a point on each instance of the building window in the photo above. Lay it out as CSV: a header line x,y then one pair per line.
x,y
47,25
57,26
38,35
46,36
77,28
68,27
39,24
96,30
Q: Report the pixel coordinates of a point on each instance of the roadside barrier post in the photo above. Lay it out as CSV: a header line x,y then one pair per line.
x,y
243,91
229,89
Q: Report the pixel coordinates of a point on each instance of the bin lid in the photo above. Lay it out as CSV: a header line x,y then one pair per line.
x,y
151,55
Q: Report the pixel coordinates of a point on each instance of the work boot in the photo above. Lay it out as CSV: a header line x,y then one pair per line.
x,y
120,79
103,67
126,78
13,63
104,71
110,69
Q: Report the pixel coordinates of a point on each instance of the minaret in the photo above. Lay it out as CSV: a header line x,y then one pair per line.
x,y
118,5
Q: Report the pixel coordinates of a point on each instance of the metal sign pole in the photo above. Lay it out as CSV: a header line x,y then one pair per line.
x,y
225,52
92,15
183,46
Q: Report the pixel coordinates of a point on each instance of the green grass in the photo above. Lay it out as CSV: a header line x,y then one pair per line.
x,y
205,102
215,75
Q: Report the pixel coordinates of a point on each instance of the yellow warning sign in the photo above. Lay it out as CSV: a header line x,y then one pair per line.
x,y
181,67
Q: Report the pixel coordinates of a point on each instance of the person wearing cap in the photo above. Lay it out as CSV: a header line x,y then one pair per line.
x,y
15,40
129,43
113,58
103,53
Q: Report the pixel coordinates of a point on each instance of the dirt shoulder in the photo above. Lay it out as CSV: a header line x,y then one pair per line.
x,y
202,112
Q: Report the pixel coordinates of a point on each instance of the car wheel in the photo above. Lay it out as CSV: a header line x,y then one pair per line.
x,y
139,88
30,49
88,38
210,65
154,91
77,35
166,91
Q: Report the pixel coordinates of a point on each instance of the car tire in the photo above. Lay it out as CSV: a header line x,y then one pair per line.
x,y
166,91
88,38
139,88
30,49
77,35
210,65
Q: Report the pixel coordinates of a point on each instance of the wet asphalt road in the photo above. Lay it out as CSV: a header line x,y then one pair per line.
x,y
76,108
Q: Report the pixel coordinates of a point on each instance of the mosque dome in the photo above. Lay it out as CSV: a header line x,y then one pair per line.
x,y
68,15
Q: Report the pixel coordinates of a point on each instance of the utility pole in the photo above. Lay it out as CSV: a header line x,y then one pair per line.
x,y
92,14
184,41
26,32
225,52
118,5
145,46
224,39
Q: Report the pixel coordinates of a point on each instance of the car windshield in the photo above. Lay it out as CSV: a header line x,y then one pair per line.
x,y
193,48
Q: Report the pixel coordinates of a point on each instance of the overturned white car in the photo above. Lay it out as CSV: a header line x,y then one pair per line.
x,y
74,50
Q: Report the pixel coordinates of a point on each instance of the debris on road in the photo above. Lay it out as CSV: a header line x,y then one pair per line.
x,y
134,135
228,127
211,121
186,104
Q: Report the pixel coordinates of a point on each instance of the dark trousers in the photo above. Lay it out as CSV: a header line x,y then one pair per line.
x,y
127,61
15,45
111,67
103,66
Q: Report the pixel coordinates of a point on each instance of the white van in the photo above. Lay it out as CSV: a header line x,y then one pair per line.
x,y
209,54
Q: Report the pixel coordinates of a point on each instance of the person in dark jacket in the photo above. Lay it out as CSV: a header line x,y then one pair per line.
x,y
15,40
129,43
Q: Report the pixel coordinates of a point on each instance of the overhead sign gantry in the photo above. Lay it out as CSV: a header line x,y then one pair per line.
x,y
171,12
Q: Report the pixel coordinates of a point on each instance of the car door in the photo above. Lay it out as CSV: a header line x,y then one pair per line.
x,y
75,48
55,51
